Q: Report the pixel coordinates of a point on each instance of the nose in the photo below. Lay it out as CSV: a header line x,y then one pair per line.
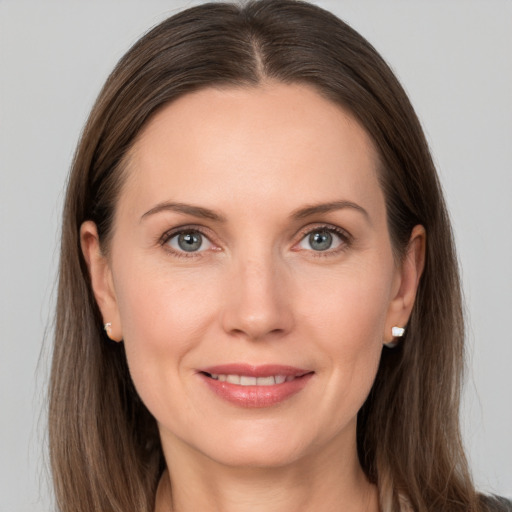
x,y
259,303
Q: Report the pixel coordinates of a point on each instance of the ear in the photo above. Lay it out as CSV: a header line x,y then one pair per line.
x,y
101,279
406,283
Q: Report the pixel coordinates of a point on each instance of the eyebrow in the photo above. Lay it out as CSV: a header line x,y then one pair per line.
x,y
205,213
188,209
308,211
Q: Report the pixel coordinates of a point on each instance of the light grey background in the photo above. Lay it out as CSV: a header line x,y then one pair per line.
x,y
453,57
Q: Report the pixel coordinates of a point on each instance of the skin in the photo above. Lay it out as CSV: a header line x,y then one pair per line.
x,y
256,292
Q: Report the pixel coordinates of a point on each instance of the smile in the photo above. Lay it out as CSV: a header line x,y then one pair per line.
x,y
255,386
244,380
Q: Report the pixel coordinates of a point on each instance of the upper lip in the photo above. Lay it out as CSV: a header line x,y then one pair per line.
x,y
248,370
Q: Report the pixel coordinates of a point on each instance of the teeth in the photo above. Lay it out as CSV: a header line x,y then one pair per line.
x,y
243,380
265,381
248,381
233,379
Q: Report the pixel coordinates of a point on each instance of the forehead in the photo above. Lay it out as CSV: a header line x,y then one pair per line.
x,y
274,142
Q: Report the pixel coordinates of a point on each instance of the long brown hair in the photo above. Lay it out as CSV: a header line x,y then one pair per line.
x,y
104,445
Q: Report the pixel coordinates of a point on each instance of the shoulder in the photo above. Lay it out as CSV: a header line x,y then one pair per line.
x,y
487,504
496,503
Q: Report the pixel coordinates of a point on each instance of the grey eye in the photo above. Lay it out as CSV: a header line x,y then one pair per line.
x,y
320,240
189,241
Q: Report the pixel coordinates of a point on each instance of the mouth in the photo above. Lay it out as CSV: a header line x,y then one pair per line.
x,y
255,386
244,380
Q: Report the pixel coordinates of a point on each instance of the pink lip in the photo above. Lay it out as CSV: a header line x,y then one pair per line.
x,y
248,370
256,396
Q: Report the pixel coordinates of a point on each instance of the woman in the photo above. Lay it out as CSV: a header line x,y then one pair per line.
x,y
259,304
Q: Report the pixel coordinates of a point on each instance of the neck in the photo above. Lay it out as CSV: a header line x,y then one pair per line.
x,y
322,482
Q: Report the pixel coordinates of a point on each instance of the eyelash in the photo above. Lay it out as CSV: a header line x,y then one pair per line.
x,y
168,235
345,237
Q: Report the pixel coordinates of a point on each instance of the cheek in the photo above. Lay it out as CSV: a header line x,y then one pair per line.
x,y
349,305
352,337
160,305
164,318
347,317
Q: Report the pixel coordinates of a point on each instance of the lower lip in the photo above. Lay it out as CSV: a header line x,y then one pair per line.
x,y
256,396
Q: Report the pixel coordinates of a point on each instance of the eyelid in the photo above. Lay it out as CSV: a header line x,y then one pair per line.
x,y
187,228
181,229
343,234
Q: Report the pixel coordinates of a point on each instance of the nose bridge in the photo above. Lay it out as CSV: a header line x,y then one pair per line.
x,y
258,280
258,303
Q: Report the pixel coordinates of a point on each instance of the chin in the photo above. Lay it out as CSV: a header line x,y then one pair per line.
x,y
270,447
257,457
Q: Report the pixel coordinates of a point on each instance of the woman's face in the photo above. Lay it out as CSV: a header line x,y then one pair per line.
x,y
251,246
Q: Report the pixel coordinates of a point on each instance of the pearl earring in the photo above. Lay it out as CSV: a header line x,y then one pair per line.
x,y
107,328
396,332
